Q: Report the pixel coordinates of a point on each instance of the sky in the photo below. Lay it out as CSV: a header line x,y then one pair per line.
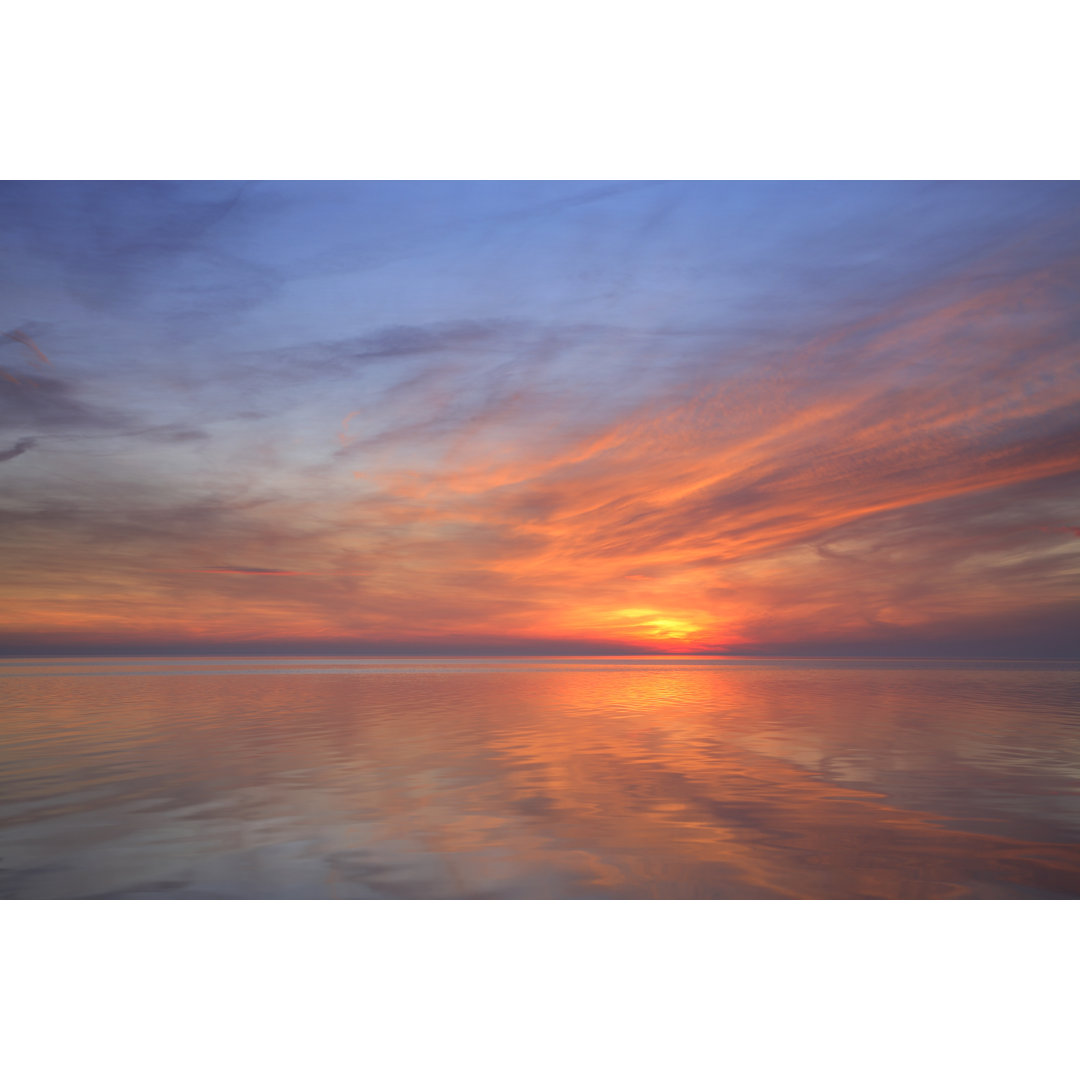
x,y
798,419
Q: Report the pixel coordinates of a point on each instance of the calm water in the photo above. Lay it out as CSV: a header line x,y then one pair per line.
x,y
599,778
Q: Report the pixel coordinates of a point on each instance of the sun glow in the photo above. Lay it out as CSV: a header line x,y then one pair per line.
x,y
649,623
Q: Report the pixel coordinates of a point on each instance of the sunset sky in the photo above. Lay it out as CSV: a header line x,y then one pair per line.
x,y
740,418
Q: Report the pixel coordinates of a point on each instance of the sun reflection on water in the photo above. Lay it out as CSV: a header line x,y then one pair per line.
x,y
588,778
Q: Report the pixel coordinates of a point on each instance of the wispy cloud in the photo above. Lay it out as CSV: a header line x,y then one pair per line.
x,y
20,446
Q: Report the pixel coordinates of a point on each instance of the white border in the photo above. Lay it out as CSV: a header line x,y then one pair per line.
x,y
539,989
571,89
586,90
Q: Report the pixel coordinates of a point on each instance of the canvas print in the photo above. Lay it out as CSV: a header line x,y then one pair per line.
x,y
536,540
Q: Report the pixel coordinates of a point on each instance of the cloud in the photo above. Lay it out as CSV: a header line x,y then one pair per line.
x,y
268,570
63,409
775,462
170,433
22,338
51,403
19,447
136,246
241,570
401,341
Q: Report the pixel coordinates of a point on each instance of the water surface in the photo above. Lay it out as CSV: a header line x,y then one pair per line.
x,y
538,778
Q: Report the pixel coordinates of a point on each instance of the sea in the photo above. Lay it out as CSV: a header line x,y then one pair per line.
x,y
637,778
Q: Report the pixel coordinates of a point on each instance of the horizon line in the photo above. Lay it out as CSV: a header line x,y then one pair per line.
x,y
518,656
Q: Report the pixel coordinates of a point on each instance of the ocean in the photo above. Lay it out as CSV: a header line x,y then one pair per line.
x,y
538,778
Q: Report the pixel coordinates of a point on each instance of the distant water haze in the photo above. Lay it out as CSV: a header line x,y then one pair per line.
x,y
643,777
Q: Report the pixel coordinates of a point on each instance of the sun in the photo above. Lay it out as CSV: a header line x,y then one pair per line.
x,y
649,623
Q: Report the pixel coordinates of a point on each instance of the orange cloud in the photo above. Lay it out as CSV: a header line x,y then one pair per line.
x,y
886,481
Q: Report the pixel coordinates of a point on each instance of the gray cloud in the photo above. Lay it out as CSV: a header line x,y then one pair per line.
x,y
46,402
20,447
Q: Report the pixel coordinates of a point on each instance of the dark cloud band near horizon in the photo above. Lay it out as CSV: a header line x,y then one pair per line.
x,y
442,419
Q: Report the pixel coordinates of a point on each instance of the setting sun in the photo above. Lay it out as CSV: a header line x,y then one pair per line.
x,y
655,625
